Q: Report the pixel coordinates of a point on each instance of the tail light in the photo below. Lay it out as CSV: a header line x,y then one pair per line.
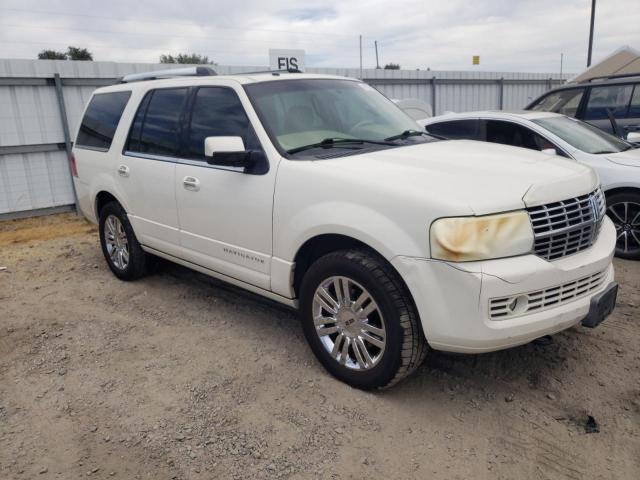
x,y
73,166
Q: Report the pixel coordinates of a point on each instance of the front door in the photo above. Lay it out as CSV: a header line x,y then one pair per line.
x,y
224,213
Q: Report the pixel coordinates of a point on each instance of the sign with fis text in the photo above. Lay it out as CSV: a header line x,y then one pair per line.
x,y
280,59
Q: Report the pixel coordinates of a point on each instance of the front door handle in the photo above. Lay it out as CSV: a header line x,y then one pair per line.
x,y
191,183
123,171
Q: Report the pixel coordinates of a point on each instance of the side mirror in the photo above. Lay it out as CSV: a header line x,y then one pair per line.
x,y
549,151
633,137
227,152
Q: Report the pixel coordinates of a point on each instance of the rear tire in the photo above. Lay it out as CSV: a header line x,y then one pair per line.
x,y
376,319
120,247
624,211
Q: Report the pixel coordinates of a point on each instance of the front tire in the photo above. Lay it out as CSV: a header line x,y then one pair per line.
x,y
624,210
120,247
360,320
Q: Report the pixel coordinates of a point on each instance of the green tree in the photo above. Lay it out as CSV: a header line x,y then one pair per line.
x,y
51,55
392,66
190,58
76,53
72,53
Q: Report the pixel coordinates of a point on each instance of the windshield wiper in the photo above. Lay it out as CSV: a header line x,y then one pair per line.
x,y
413,133
405,134
336,142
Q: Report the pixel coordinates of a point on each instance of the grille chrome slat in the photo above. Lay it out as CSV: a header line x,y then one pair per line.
x,y
567,227
539,300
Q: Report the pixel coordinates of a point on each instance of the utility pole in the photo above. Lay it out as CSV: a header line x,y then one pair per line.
x,y
561,58
360,57
377,61
593,17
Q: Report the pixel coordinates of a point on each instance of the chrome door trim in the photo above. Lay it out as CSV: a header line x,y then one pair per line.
x,y
181,161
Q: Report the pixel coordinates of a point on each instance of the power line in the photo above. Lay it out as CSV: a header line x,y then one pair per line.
x,y
148,34
126,47
156,21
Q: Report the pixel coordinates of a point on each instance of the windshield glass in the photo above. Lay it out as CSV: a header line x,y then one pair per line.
x,y
583,136
298,113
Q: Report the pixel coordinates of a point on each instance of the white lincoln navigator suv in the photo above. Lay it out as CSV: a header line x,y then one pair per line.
x,y
320,193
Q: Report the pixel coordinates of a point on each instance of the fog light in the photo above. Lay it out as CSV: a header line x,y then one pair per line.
x,y
518,304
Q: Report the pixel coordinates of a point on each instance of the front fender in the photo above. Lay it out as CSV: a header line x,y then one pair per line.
x,y
373,228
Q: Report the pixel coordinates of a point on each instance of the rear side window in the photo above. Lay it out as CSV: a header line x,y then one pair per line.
x,y
614,98
218,112
455,129
634,108
157,126
101,120
565,102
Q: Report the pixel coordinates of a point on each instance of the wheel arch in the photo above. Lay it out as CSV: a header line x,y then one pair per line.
x,y
623,189
322,244
102,198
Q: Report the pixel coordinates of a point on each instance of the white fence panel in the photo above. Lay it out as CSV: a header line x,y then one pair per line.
x,y
30,121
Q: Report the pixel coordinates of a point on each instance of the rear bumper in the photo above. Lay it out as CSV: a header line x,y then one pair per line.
x,y
453,299
84,200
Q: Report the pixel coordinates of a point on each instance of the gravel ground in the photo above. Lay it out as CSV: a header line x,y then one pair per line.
x,y
180,376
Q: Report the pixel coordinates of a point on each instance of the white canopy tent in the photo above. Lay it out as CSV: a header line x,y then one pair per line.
x,y
624,61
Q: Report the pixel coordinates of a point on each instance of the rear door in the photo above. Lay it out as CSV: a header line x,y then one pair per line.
x,y
632,123
146,170
608,98
225,214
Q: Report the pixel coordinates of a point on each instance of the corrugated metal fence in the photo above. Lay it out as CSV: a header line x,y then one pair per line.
x,y
35,96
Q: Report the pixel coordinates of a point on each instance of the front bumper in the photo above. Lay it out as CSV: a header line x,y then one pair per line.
x,y
453,298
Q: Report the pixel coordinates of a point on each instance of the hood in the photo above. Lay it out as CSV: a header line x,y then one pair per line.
x,y
630,158
483,177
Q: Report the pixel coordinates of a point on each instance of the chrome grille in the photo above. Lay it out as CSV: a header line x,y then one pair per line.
x,y
567,227
524,303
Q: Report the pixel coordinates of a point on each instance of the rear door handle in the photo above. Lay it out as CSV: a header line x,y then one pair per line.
x,y
123,171
191,183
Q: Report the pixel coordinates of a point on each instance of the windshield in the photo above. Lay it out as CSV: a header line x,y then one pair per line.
x,y
583,136
300,113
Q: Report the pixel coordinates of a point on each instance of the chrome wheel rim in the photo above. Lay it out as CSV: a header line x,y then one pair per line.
x,y
626,218
115,239
349,323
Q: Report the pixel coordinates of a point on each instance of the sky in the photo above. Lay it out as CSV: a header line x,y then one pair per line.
x,y
509,35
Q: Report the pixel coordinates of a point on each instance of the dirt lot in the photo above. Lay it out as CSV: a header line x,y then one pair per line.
x,y
179,376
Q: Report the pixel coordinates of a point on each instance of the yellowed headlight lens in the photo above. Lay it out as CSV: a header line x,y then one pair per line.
x,y
465,239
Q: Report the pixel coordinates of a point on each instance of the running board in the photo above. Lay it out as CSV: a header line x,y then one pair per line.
x,y
225,278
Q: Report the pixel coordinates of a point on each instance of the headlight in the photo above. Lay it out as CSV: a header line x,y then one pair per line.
x,y
464,239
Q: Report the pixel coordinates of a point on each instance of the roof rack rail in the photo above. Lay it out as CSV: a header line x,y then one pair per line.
x,y
169,73
607,77
275,72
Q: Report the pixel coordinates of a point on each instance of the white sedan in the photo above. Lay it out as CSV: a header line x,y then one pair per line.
x,y
617,162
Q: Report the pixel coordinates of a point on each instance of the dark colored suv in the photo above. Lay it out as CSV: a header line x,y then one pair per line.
x,y
593,100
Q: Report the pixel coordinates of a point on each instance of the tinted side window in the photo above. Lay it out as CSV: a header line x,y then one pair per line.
x,y
565,102
634,108
615,98
161,125
218,112
133,143
455,129
508,133
101,120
